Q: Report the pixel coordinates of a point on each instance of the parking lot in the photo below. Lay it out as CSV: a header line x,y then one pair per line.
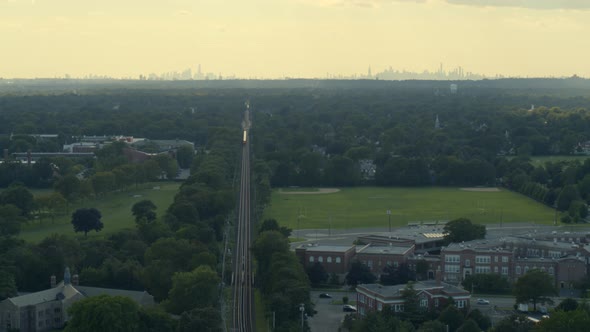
x,y
329,316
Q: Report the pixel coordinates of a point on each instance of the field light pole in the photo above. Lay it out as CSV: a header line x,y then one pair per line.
x,y
389,215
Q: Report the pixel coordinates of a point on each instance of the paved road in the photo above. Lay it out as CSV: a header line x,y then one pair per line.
x,y
329,316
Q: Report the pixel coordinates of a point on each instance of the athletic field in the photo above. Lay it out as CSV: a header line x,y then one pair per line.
x,y
115,209
367,207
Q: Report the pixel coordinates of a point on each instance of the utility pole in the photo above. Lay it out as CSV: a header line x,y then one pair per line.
x,y
302,309
389,215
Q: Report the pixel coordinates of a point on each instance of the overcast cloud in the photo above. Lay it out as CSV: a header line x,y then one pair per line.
x,y
532,4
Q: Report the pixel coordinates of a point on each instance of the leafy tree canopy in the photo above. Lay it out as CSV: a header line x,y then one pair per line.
x,y
86,220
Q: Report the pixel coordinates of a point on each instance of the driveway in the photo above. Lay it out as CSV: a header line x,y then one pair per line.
x,y
329,316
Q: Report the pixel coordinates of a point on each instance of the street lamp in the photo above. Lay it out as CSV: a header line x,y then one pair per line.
x,y
389,215
302,309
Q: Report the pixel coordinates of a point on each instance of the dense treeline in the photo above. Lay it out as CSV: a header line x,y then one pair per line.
x,y
317,138
174,256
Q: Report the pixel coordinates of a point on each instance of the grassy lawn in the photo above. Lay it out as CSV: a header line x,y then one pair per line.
x,y
115,209
367,206
541,160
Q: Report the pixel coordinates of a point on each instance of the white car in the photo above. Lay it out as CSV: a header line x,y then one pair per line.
x,y
348,308
483,301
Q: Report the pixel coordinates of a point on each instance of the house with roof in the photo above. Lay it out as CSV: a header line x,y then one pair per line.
x,y
432,295
48,309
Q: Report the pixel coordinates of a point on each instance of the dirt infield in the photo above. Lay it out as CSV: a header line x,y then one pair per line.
x,y
488,189
320,191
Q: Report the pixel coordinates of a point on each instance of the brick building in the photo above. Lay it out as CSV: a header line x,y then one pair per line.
x,y
432,295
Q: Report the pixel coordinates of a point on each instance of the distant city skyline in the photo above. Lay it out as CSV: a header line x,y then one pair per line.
x,y
294,38
390,73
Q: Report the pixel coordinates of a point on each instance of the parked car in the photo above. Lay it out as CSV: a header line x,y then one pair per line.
x,y
483,301
348,308
325,296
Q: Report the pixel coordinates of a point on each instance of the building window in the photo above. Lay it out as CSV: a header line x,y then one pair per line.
x,y
398,308
436,303
395,264
495,269
424,302
482,269
311,259
483,259
337,260
504,270
370,264
329,260
452,268
361,298
526,269
379,306
321,259
461,304
452,258
551,271
504,259
518,270
467,262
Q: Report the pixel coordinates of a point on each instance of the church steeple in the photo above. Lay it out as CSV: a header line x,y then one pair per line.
x,y
436,123
67,276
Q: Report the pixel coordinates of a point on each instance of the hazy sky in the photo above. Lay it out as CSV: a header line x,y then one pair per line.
x,y
297,38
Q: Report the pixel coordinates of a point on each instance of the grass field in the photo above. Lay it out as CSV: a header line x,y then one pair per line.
x,y
115,209
367,206
541,160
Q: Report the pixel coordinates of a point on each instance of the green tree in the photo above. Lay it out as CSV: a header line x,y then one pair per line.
x,y
266,245
469,326
103,313
206,319
198,288
144,210
156,320
452,317
486,283
185,155
432,326
53,204
535,286
317,274
568,304
7,285
86,220
273,225
567,195
10,220
574,321
463,229
68,186
19,196
103,182
484,322
513,323
359,273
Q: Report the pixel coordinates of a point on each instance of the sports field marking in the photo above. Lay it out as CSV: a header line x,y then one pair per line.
x,y
480,189
319,191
